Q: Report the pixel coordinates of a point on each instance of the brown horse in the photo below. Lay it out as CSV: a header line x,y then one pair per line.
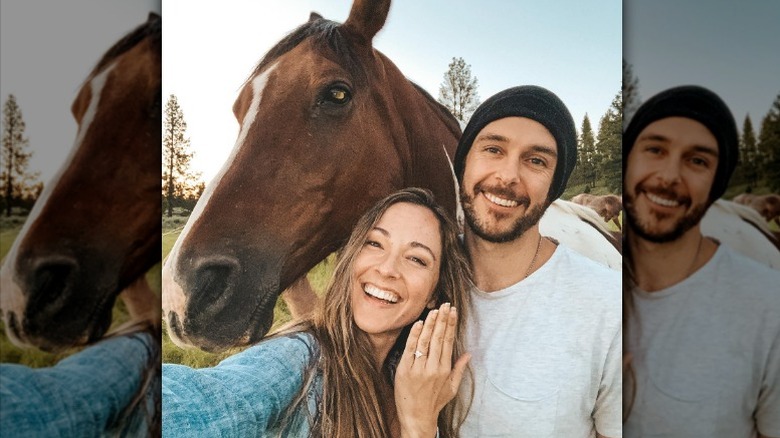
x,y
767,206
95,230
328,126
607,206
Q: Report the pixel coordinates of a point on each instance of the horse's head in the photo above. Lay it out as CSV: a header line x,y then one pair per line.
x,y
328,126
95,229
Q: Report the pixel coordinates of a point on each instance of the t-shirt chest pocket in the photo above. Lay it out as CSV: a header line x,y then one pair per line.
x,y
685,395
522,393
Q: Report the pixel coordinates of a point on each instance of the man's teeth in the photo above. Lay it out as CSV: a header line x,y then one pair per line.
x,y
500,201
381,294
661,201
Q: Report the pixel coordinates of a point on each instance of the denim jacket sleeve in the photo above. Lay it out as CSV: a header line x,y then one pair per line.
x,y
83,395
245,395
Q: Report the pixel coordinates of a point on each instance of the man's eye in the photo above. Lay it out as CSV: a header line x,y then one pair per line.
x,y
538,162
700,162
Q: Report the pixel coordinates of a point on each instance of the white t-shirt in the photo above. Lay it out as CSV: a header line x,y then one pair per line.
x,y
546,353
706,353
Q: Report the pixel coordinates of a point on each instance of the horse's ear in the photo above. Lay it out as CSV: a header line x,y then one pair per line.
x,y
153,16
367,17
314,16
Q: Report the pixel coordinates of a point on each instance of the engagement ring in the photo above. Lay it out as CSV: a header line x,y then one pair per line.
x,y
418,354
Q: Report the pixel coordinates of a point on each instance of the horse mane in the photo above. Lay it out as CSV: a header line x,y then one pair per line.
x,y
152,28
441,110
323,33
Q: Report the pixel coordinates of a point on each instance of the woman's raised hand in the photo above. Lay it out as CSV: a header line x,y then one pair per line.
x,y
425,380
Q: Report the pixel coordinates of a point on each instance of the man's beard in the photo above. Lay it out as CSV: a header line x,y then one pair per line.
x,y
643,229
520,226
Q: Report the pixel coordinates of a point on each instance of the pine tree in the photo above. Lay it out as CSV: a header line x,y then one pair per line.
x,y
178,179
631,99
609,146
14,177
587,153
459,92
769,145
750,161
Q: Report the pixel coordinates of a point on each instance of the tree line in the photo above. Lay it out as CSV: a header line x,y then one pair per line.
x,y
598,168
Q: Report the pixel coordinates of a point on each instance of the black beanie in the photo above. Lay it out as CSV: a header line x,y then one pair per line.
x,y
701,105
535,103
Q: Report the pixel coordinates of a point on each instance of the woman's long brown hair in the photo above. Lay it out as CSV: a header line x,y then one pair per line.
x,y
357,398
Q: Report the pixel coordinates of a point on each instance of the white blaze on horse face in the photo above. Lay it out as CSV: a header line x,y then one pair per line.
x,y
173,298
11,296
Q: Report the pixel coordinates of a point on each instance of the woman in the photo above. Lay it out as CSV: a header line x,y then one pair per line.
x,y
361,366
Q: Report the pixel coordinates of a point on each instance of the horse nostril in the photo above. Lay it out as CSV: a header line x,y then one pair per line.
x,y
49,281
14,326
174,325
213,277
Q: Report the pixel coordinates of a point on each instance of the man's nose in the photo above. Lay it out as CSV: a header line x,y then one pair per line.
x,y
669,172
508,171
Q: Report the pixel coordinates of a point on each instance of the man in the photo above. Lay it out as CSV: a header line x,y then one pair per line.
x,y
544,331
703,322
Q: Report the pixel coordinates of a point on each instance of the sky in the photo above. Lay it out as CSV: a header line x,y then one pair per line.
x,y
730,47
47,48
571,47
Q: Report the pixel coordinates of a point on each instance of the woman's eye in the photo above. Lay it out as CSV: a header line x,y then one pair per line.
x,y
419,261
373,243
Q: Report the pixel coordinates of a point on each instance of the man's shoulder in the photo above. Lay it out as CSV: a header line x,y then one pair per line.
x,y
572,263
747,275
585,280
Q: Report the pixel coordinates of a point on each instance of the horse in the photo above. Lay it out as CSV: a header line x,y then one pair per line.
x,y
743,230
328,126
582,230
607,206
767,205
95,230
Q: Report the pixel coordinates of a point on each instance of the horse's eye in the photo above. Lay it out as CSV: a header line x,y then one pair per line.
x,y
338,95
